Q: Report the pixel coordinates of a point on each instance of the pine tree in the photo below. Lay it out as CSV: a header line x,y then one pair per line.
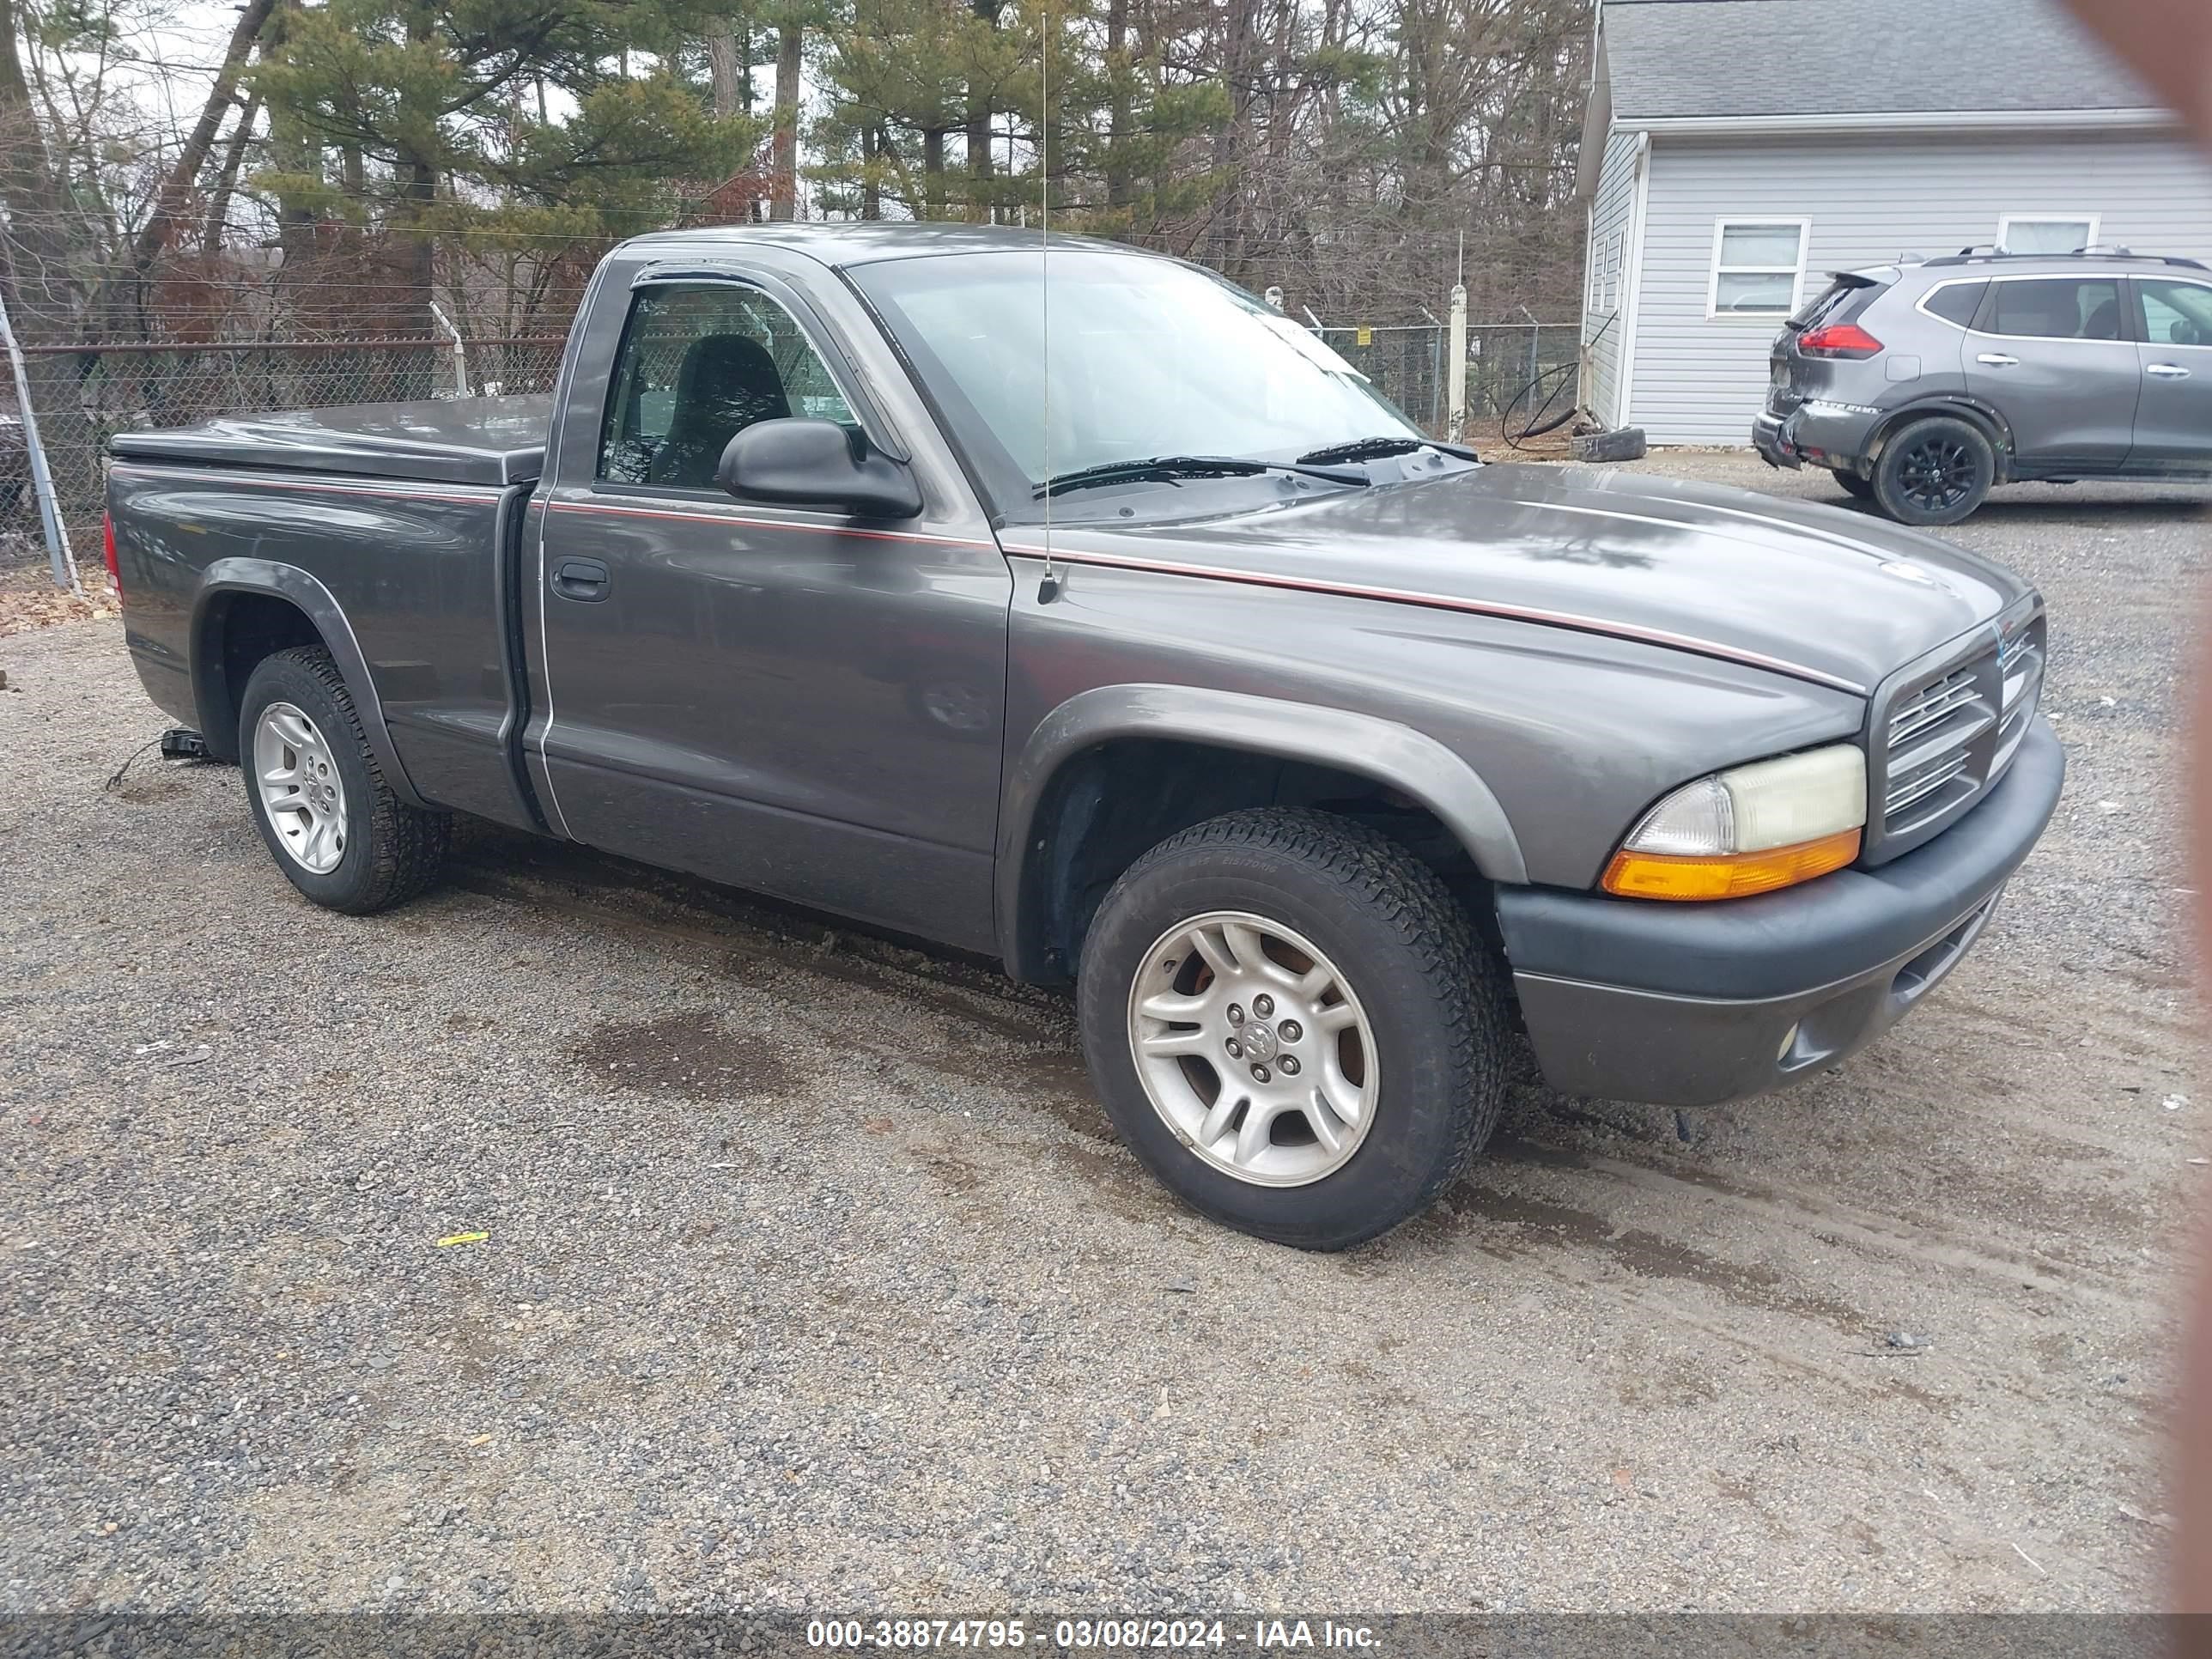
x,y
426,108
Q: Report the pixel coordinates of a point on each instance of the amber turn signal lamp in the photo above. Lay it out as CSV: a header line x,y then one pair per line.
x,y
1730,875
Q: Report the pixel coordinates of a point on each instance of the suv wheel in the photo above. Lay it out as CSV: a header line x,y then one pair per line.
x,y
1935,472
1860,489
340,836
1292,1023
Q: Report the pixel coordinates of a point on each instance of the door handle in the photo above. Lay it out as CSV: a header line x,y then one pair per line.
x,y
580,579
1997,360
2167,371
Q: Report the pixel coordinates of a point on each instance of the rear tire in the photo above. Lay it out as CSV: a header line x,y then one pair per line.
x,y
1372,1023
1859,488
1935,472
317,797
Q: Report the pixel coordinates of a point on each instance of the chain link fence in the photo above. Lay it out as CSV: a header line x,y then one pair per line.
x,y
83,393
1411,365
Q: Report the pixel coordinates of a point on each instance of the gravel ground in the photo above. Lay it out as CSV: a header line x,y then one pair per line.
x,y
811,1277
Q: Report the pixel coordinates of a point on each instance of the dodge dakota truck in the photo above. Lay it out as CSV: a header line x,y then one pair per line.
x,y
1063,602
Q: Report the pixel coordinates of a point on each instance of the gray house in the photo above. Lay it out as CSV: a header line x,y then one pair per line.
x,y
1736,151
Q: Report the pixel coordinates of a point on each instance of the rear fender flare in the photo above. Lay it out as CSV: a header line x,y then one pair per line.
x,y
1389,753
314,601
1957,407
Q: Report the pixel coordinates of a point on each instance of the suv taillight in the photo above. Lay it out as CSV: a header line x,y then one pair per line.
x,y
107,547
1838,340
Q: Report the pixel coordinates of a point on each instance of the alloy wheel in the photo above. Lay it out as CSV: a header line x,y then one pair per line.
x,y
1253,1048
1936,474
301,789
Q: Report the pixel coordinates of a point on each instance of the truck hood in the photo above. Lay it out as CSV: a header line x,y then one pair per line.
x,y
1838,598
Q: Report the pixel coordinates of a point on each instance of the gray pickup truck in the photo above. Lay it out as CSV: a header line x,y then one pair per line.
x,y
1071,605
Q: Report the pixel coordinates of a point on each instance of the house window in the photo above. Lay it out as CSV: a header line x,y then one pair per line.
x,y
1758,265
1608,260
2057,233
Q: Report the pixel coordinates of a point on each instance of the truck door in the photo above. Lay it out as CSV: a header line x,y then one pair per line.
x,y
2174,421
792,700
2052,355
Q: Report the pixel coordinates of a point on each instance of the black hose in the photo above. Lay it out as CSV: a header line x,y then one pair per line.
x,y
1538,426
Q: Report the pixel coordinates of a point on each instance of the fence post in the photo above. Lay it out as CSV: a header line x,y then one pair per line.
x,y
42,480
461,352
1456,407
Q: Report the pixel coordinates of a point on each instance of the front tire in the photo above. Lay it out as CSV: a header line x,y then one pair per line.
x,y
317,797
1935,472
1291,1022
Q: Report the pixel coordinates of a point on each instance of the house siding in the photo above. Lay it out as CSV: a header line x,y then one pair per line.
x,y
1700,379
1613,205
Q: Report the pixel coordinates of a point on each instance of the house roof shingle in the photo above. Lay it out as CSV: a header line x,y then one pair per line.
x,y
1729,57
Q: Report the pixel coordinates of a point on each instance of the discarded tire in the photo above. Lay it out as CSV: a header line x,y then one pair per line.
x,y
1620,443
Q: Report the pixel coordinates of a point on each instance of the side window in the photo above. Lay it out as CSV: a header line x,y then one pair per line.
x,y
2055,308
1956,302
2176,313
698,364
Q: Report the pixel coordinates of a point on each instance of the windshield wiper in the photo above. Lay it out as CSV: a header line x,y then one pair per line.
x,y
1171,467
1376,449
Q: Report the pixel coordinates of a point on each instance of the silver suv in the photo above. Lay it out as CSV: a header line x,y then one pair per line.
x,y
1922,385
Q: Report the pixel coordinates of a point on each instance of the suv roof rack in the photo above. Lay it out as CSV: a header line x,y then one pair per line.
x,y
1985,254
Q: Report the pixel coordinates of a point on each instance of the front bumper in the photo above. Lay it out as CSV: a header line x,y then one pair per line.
x,y
1694,1004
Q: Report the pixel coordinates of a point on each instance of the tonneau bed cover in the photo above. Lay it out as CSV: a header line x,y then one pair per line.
x,y
469,440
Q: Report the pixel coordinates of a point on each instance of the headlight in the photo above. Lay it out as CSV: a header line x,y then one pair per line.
x,y
1747,830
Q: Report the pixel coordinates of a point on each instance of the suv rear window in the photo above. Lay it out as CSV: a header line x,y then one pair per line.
x,y
1955,302
2055,308
1846,295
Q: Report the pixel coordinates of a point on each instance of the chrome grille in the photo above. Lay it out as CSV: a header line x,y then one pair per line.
x,y
2019,662
1931,707
1917,785
1936,730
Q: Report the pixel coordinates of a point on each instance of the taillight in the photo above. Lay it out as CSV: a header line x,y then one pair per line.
x,y
107,546
1838,340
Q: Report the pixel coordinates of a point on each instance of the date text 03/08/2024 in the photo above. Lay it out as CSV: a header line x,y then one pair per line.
x,y
1112,1633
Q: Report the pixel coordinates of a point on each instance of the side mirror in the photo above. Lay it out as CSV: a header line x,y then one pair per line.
x,y
794,462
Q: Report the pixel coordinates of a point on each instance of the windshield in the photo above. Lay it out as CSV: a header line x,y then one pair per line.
x,y
1144,358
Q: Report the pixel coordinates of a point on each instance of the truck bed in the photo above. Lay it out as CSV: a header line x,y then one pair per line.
x,y
393,529
468,440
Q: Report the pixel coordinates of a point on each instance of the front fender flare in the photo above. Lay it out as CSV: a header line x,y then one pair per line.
x,y
1396,755
301,591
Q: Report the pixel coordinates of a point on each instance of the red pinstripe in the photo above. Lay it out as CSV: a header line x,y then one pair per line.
x,y
1445,602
